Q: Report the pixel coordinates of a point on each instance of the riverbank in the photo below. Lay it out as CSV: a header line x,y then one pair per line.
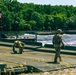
x,y
37,32
70,31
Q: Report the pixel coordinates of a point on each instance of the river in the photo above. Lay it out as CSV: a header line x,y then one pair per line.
x,y
69,39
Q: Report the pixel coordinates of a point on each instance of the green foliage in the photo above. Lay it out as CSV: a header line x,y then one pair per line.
x,y
23,16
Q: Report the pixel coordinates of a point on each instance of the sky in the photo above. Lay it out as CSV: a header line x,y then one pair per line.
x,y
51,2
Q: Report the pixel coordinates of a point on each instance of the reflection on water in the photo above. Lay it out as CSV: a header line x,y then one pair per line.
x,y
69,40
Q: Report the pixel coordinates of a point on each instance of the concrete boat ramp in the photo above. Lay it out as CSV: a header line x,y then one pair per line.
x,y
36,58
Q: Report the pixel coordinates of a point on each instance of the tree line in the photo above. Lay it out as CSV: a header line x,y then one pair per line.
x,y
18,16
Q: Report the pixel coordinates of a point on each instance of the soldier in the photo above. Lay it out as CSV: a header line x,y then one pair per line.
x,y
19,45
57,42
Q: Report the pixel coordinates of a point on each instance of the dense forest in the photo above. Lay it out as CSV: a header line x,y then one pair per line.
x,y
16,16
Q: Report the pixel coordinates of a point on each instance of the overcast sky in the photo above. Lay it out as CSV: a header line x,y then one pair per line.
x,y
51,2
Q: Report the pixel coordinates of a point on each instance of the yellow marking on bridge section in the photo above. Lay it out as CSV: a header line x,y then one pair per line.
x,y
8,62
66,64
19,56
33,58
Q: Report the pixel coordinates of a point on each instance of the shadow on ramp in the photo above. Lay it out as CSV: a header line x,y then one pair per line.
x,y
52,63
15,52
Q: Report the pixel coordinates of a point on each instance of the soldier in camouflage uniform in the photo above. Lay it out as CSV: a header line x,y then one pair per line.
x,y
19,45
57,42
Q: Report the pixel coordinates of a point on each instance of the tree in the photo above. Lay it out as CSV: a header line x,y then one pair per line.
x,y
48,22
71,22
39,19
30,16
27,14
33,25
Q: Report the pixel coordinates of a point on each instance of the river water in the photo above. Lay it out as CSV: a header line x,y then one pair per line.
x,y
69,40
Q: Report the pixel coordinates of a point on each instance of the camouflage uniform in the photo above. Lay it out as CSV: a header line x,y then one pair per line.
x,y
57,42
19,45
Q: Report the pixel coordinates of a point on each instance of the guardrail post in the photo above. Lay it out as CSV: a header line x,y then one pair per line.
x,y
35,37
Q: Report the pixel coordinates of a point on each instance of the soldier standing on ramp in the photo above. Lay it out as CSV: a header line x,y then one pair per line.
x,y
57,42
19,45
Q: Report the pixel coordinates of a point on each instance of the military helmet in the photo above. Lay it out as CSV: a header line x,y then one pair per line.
x,y
59,31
